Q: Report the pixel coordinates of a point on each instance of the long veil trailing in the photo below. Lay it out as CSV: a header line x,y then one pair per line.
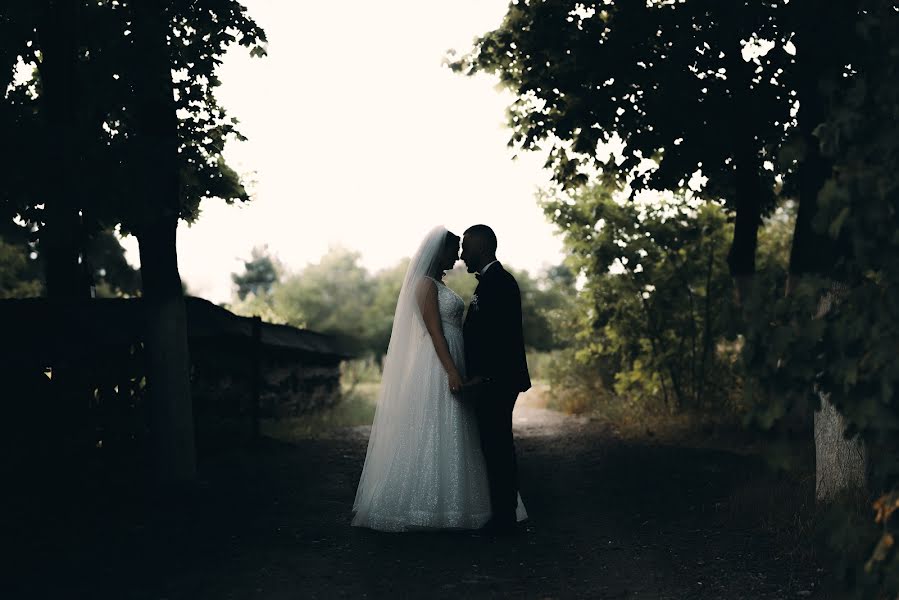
x,y
398,414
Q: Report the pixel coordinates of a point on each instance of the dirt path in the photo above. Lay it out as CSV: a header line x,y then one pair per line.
x,y
608,520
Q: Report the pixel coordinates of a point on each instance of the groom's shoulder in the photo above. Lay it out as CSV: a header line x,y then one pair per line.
x,y
504,278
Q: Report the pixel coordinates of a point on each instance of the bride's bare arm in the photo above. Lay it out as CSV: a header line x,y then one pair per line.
x,y
427,303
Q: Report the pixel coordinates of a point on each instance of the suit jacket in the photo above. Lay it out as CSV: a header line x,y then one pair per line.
x,y
494,340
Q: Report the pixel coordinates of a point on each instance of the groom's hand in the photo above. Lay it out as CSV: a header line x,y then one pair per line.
x,y
475,381
474,387
455,383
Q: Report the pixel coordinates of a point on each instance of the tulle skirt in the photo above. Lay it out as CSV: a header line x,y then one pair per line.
x,y
424,468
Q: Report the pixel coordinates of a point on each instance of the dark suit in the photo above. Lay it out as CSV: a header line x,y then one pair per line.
x,y
494,349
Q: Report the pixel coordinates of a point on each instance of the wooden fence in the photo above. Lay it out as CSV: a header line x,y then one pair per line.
x,y
75,371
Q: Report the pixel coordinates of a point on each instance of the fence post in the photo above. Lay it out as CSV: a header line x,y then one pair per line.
x,y
256,376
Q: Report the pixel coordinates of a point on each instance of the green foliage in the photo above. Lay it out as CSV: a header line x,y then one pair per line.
x,y
547,306
860,205
546,302
360,370
386,285
663,78
255,306
356,408
577,382
849,350
105,266
541,364
331,296
765,98
460,281
656,294
104,108
16,281
260,273
338,296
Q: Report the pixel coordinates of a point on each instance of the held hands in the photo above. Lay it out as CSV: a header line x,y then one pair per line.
x,y
469,389
455,382
477,380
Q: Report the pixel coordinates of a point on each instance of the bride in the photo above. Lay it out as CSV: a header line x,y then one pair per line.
x,y
424,468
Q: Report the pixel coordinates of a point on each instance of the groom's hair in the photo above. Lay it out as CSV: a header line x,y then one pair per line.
x,y
485,235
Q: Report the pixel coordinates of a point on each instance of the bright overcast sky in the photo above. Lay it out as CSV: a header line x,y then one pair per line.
x,y
359,137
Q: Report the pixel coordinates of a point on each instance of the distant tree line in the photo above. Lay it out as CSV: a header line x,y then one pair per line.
x,y
337,295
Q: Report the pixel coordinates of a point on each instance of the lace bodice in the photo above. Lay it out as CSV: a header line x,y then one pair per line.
x,y
450,305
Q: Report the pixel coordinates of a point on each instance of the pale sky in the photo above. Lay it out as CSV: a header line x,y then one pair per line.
x,y
359,137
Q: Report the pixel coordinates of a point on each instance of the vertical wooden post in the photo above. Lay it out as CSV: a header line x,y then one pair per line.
x,y
256,374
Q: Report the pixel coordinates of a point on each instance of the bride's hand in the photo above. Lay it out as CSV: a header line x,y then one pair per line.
x,y
455,383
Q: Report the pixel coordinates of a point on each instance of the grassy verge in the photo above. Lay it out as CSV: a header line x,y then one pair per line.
x,y
777,499
357,407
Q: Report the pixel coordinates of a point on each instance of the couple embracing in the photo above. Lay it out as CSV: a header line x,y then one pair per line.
x,y
441,453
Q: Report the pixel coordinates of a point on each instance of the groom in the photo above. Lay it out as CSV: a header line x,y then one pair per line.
x,y
497,368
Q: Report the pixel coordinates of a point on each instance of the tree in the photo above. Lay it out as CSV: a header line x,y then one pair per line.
x,y
656,310
105,264
158,200
738,91
686,85
666,78
108,69
138,148
261,272
848,352
542,298
858,207
332,296
338,296
386,285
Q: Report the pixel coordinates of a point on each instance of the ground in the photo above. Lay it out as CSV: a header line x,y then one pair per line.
x,y
609,519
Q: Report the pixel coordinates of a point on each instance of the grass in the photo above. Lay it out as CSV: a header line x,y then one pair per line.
x,y
356,408
635,420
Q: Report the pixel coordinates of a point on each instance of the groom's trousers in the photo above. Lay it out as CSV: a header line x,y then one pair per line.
x,y
494,413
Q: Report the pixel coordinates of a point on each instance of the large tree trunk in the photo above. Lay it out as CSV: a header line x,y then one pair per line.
x,y
168,361
840,464
61,236
748,189
167,357
748,195
840,461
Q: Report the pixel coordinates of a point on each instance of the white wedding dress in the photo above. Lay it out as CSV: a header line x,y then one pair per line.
x,y
432,476
424,468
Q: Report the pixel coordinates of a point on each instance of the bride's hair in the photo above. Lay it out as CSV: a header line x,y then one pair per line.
x,y
450,240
